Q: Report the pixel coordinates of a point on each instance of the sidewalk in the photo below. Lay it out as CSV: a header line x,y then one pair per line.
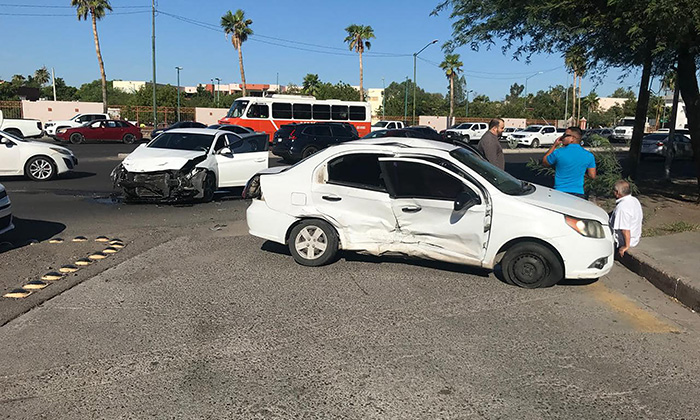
x,y
671,263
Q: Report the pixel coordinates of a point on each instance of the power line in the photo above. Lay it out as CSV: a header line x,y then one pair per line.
x,y
42,6
507,76
66,15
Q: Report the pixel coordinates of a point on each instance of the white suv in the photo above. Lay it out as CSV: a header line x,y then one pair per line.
x,y
536,136
52,127
469,132
430,200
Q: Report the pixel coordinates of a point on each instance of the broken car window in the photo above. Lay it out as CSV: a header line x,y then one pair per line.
x,y
356,170
416,180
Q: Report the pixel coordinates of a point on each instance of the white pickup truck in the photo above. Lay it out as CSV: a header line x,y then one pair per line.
x,y
468,132
386,125
52,127
536,136
22,128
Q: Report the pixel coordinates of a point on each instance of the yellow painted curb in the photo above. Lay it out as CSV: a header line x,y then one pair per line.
x,y
68,269
56,241
116,241
80,239
117,245
83,262
17,294
52,276
35,285
102,239
97,256
110,250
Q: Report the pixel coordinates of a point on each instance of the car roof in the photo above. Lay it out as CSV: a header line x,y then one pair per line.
x,y
399,143
210,131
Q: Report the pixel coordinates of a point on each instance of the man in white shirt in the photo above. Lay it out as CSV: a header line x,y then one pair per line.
x,y
626,219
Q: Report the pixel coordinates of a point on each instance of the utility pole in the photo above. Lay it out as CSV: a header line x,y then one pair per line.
x,y
178,68
278,83
415,56
383,98
153,50
218,89
405,101
53,79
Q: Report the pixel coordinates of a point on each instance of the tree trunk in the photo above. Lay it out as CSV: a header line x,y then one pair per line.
x,y
688,85
452,97
640,118
578,116
102,64
240,63
362,92
573,104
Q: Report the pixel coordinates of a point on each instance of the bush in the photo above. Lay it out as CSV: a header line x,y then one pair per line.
x,y
608,170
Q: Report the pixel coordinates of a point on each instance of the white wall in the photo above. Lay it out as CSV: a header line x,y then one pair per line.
x,y
57,110
209,116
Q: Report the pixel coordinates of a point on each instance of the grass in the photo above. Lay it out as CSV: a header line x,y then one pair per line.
x,y
669,228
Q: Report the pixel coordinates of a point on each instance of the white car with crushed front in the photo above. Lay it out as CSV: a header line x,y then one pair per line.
x,y
36,160
426,199
190,163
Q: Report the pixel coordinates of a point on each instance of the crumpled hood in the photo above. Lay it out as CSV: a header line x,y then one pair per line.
x,y
550,199
150,159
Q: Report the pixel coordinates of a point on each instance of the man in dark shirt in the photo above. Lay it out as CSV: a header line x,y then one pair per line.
x,y
490,147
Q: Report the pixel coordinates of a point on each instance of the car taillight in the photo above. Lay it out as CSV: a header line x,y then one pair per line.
x,y
252,188
660,143
292,136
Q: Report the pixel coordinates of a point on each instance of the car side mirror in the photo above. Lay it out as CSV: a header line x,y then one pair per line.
x,y
225,151
466,200
6,142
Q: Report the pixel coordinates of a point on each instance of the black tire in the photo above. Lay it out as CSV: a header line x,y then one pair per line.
x,y
15,132
40,168
308,151
535,143
209,188
76,138
130,195
531,266
316,239
513,144
129,138
466,139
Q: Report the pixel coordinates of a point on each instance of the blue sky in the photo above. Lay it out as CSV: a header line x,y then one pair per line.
x,y
56,39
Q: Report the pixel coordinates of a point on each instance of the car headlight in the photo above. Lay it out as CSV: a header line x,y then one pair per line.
x,y
62,151
61,130
588,228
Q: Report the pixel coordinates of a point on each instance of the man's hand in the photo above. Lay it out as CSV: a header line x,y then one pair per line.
x,y
558,141
622,250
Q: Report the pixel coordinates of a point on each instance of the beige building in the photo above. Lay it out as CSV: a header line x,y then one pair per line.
x,y
606,103
375,97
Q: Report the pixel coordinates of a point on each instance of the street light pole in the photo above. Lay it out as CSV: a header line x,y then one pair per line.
x,y
415,56
178,68
383,98
466,108
405,101
218,89
153,45
526,79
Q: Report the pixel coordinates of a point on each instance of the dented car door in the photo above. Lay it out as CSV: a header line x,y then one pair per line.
x,y
424,197
245,160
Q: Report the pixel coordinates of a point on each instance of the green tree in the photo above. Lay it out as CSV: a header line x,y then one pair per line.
x,y
357,39
63,91
238,27
97,10
515,91
451,66
42,76
311,84
340,90
92,92
623,93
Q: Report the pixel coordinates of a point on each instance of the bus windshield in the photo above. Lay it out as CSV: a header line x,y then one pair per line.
x,y
237,110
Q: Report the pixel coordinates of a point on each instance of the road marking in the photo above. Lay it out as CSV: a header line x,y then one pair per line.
x,y
641,319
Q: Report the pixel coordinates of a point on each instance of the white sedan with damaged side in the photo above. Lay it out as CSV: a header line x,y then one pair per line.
x,y
424,199
186,164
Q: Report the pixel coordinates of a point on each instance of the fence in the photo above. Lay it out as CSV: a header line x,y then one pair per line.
x,y
144,114
11,109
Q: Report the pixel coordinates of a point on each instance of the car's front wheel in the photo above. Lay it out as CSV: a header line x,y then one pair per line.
x,y
129,138
531,265
313,243
209,188
310,150
535,143
76,138
40,168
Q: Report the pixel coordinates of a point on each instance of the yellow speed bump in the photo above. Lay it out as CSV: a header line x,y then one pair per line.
x,y
97,256
35,285
52,276
80,239
56,240
83,262
68,269
110,250
17,293
116,241
102,239
117,245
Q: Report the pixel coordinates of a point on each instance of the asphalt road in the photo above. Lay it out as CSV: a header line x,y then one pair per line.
x,y
196,319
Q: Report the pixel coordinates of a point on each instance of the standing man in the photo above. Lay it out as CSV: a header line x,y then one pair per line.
x,y
626,219
571,163
490,147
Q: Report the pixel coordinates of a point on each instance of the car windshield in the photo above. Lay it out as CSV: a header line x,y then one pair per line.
x,y
183,141
375,134
500,179
380,124
463,126
532,129
237,109
656,137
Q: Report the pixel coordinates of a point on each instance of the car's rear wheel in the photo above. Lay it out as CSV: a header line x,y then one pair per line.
x,y
532,265
535,143
512,143
40,168
208,188
129,138
310,150
313,243
76,138
466,139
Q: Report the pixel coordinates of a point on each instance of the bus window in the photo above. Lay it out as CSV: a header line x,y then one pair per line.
x,y
282,111
258,111
340,112
322,112
357,113
237,109
302,111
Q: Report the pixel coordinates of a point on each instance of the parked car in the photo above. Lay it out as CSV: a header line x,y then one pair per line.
x,y
536,136
655,145
507,132
78,120
179,124
469,132
386,125
21,127
190,163
588,140
115,130
429,200
238,129
294,142
37,160
5,211
414,132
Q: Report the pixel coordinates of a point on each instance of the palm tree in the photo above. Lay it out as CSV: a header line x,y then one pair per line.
x,y
357,40
238,27
575,60
97,10
41,76
452,66
311,84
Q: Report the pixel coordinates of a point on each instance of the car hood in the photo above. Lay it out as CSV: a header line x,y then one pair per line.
x,y
44,147
150,159
557,201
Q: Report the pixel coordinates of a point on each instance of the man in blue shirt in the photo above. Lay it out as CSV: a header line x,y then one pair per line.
x,y
571,162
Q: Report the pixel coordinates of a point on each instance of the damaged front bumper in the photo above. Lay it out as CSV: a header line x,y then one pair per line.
x,y
179,185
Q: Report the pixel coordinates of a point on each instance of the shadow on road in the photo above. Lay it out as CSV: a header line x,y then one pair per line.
x,y
75,175
27,231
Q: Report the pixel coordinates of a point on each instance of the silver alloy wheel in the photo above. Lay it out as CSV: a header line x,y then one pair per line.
x,y
41,169
311,242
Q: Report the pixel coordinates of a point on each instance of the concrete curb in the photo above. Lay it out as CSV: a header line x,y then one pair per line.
x,y
673,285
